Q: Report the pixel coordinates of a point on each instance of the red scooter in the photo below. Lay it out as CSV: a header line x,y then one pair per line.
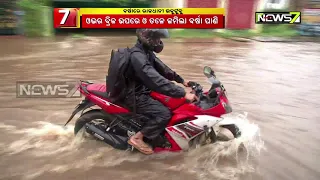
x,y
192,123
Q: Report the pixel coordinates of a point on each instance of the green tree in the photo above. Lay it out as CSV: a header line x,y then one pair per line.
x,y
36,21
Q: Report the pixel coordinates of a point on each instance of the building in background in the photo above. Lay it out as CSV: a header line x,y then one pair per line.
x,y
310,25
8,19
239,13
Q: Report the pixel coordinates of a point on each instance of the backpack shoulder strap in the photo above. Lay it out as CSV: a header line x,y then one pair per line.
x,y
132,50
135,49
129,51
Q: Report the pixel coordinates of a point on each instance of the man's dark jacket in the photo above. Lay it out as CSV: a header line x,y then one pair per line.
x,y
148,73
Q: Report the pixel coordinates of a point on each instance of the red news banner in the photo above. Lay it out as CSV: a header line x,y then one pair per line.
x,y
203,18
152,21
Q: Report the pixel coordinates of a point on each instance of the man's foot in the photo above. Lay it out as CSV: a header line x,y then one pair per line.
x,y
140,145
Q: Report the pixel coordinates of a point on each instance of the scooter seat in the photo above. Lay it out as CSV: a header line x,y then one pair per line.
x,y
101,91
98,89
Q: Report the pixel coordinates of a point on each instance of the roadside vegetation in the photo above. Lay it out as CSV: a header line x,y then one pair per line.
x,y
37,20
267,31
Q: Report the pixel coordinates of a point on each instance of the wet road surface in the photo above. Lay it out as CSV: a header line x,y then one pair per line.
x,y
277,84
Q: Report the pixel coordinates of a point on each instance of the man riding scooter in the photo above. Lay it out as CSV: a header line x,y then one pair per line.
x,y
149,73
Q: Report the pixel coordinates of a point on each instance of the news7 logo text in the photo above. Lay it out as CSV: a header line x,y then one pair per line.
x,y
34,89
278,17
65,18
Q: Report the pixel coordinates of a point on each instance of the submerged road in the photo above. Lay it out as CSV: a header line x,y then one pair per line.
x,y
277,84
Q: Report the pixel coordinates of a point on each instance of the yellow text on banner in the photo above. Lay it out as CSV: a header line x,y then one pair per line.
x,y
150,11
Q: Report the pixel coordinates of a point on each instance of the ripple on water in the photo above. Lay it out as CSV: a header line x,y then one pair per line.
x,y
47,140
265,79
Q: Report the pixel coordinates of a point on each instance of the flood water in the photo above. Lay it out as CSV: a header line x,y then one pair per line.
x,y
274,89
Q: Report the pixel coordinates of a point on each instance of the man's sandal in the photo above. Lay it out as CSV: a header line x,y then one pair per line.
x,y
142,148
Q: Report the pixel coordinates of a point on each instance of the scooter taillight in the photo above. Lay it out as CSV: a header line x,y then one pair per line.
x,y
83,88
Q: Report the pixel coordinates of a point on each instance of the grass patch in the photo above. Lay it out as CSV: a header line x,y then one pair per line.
x,y
78,36
235,33
209,33
191,33
281,30
37,20
268,31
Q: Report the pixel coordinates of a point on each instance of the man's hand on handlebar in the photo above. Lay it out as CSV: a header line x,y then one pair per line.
x,y
188,83
185,83
191,97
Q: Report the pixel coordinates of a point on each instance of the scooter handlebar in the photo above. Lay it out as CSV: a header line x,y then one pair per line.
x,y
197,90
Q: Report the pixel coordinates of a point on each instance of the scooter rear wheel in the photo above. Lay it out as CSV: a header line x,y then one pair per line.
x,y
90,116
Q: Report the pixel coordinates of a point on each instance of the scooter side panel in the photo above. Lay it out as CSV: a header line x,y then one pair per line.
x,y
184,132
104,104
171,103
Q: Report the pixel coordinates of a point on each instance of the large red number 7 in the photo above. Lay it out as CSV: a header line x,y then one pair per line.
x,y
65,17
66,13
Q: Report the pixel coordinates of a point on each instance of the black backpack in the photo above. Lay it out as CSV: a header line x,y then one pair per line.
x,y
117,79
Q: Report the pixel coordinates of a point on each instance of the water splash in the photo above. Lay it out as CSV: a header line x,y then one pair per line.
x,y
222,160
63,150
228,160
7,127
46,139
